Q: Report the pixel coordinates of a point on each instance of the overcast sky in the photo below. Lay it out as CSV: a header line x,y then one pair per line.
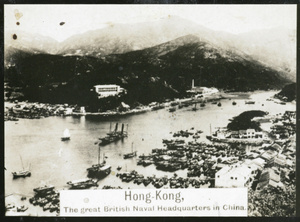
x,y
46,19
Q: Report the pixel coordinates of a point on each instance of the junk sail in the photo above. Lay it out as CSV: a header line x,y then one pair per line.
x,y
66,135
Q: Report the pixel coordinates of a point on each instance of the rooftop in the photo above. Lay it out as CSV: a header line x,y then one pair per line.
x,y
238,169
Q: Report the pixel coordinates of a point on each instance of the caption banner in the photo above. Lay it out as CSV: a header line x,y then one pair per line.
x,y
153,202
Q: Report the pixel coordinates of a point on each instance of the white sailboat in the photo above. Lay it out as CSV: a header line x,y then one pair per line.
x,y
66,135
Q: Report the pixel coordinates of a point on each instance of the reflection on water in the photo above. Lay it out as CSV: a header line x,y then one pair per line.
x,y
56,162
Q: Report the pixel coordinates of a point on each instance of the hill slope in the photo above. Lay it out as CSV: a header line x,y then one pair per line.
x,y
151,74
275,47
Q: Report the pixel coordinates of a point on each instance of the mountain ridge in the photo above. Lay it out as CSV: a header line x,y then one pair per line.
x,y
152,74
123,38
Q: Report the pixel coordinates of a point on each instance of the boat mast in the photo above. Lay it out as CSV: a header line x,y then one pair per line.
x,y
22,162
98,154
132,147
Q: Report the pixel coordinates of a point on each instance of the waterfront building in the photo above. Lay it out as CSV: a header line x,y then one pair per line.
x,y
235,134
201,91
239,175
250,133
280,161
243,134
269,177
275,147
221,132
68,111
108,90
259,162
82,109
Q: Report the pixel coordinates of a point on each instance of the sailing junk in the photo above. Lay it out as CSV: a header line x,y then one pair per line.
x,y
250,102
44,189
22,173
99,170
66,135
82,184
114,136
130,155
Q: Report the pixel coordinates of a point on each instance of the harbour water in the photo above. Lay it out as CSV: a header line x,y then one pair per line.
x,y
56,162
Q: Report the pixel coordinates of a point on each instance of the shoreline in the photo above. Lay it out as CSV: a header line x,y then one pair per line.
x,y
36,110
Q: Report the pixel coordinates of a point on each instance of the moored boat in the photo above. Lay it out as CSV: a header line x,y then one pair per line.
x,y
172,109
99,170
66,135
249,102
21,173
113,136
22,208
131,154
82,183
44,189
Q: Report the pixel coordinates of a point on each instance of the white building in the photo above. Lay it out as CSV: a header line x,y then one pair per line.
x,y
250,133
68,111
107,90
239,175
202,91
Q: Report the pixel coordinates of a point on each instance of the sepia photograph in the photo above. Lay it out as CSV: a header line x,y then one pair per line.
x,y
150,103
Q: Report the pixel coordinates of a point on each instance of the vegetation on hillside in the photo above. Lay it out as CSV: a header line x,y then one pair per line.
x,y
288,93
154,74
244,121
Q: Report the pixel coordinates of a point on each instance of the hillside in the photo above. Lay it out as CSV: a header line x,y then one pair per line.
x,y
278,45
288,93
244,121
16,41
152,74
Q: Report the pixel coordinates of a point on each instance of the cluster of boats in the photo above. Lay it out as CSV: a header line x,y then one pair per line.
x,y
158,106
194,156
199,158
47,198
158,182
186,133
11,207
195,108
107,187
